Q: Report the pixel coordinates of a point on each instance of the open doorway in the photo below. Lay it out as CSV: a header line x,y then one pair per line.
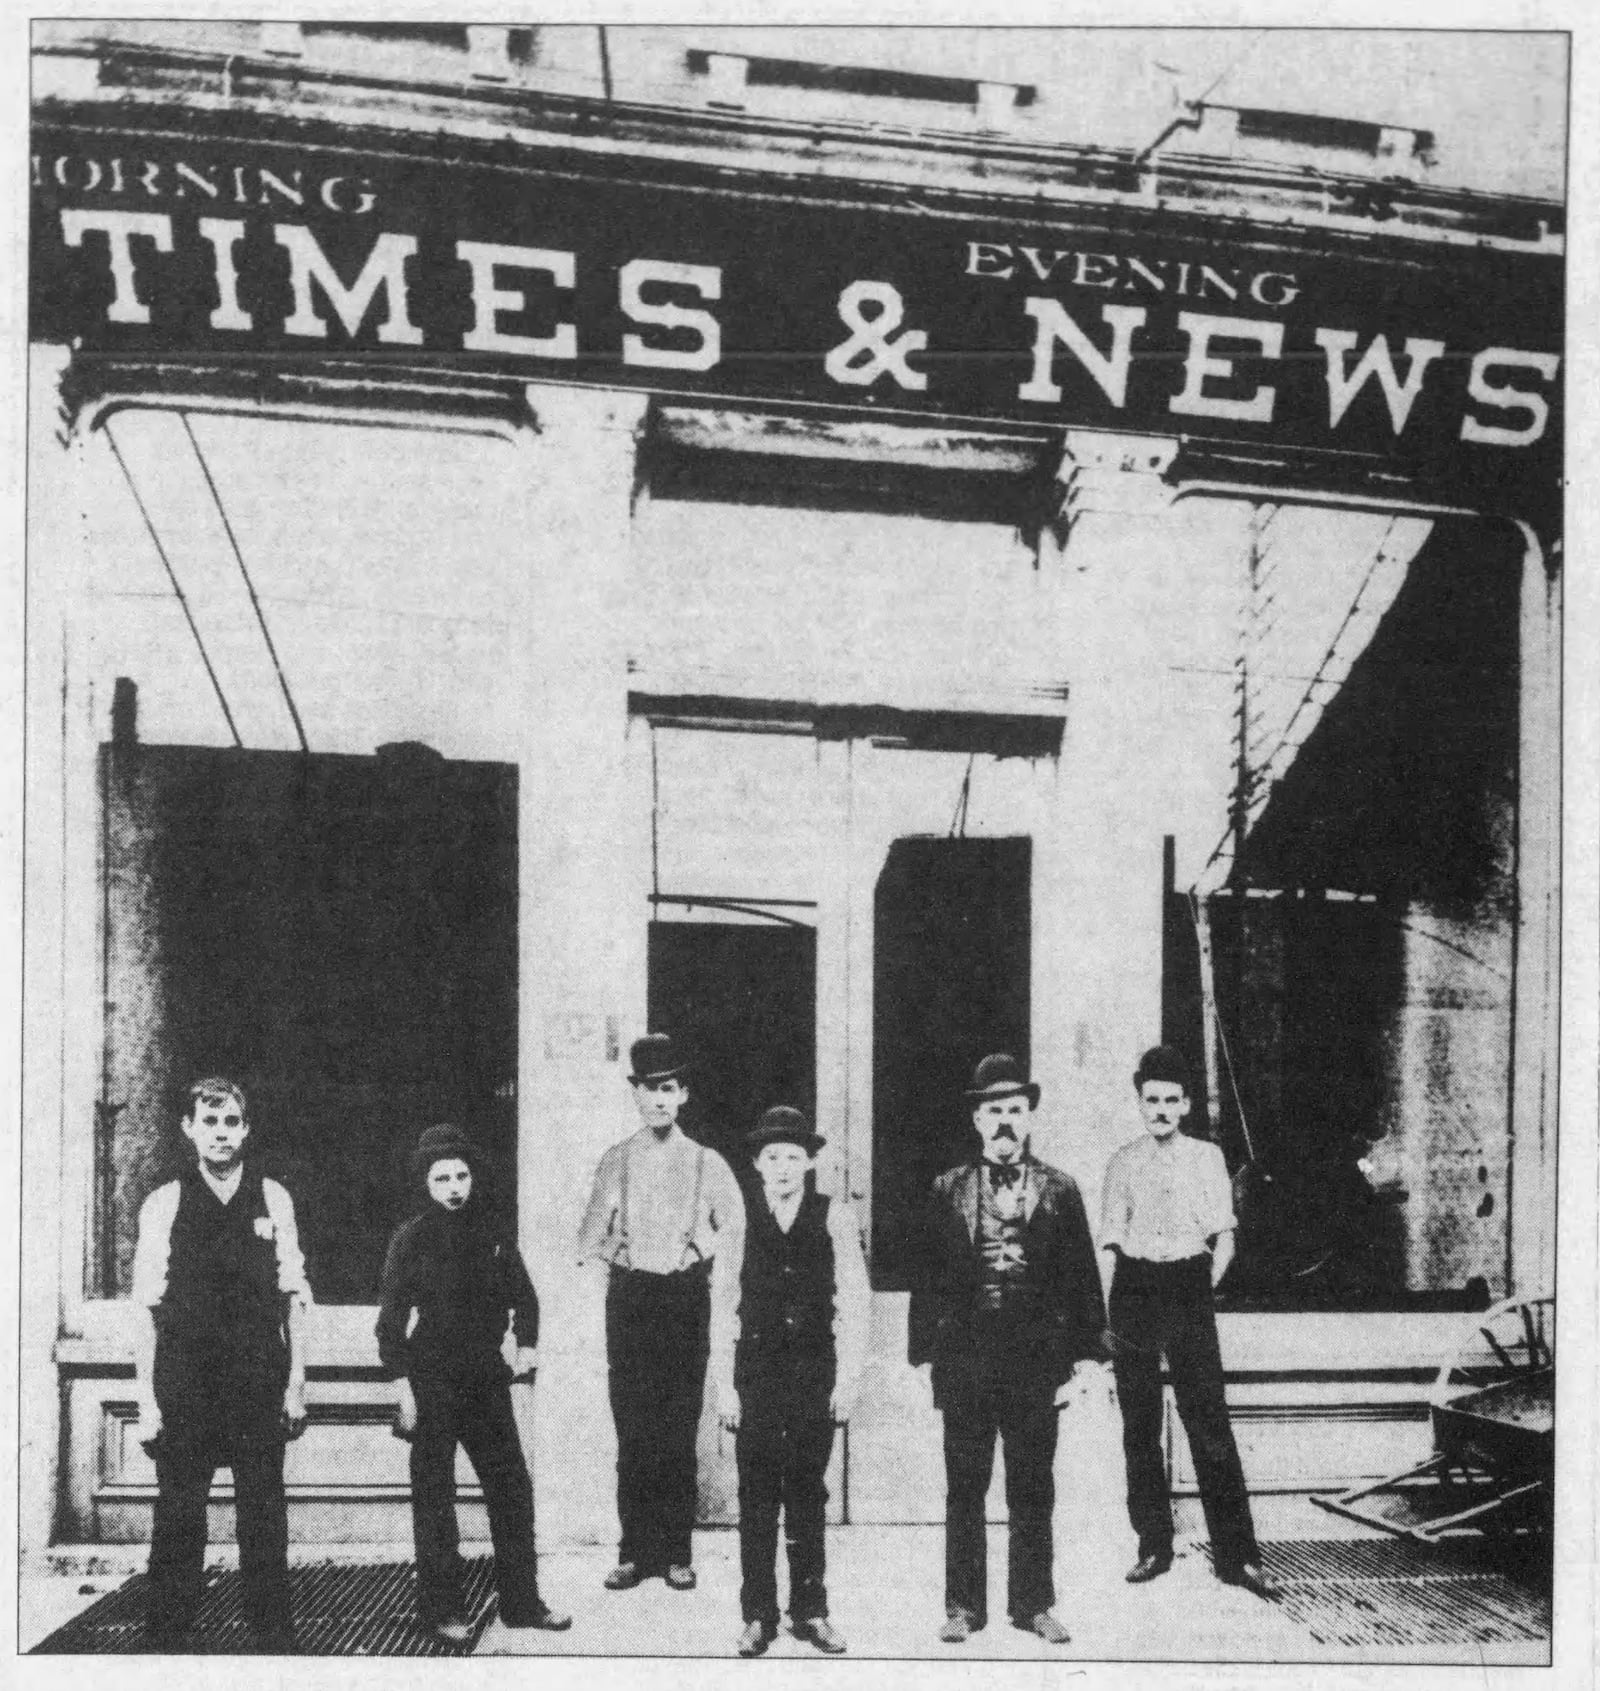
x,y
952,943
741,999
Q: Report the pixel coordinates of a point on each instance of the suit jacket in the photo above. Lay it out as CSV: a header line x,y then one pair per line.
x,y
1062,1312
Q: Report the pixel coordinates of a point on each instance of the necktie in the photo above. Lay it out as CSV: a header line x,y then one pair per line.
x,y
1004,1175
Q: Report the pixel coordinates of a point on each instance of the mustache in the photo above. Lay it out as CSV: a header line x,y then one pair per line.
x,y
1006,1133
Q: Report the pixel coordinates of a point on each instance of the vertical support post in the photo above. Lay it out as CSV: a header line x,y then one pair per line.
x,y
1536,1031
582,912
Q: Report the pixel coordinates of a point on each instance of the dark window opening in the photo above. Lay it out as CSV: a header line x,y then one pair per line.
x,y
858,79
1305,130
337,933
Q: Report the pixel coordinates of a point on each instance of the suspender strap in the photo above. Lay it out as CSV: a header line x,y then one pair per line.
x,y
694,1204
622,1255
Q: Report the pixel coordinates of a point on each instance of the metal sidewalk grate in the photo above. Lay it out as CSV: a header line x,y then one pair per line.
x,y
340,1609
1398,1592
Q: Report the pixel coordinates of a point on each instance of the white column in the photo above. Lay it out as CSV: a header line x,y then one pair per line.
x,y
1537,977
55,552
1119,608
582,914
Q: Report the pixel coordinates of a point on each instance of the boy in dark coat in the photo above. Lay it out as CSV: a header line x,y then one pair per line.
x,y
463,1278
219,1370
803,1316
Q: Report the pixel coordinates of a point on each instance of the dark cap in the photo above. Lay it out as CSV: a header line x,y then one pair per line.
x,y
653,1058
1163,1062
438,1144
783,1125
1001,1076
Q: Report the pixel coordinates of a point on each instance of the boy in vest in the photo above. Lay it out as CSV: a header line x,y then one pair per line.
x,y
791,1375
220,1288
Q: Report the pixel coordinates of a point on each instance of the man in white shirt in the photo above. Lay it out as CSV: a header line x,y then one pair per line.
x,y
666,1217
1167,1223
220,1288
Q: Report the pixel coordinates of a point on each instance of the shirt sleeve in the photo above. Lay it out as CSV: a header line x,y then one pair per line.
x,y
727,1263
395,1303
1115,1207
602,1210
1214,1191
291,1260
150,1254
523,1299
852,1297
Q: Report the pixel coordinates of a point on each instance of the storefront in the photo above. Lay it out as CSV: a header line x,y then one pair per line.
x,y
506,577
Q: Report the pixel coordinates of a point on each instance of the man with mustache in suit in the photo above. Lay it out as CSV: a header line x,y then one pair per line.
x,y
1008,1304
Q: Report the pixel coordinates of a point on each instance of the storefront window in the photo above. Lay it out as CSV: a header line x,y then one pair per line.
x,y
333,922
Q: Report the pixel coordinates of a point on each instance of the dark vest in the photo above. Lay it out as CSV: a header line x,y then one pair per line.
x,y
220,1344
786,1302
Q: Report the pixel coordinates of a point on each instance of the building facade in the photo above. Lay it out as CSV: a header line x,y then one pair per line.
x,y
538,533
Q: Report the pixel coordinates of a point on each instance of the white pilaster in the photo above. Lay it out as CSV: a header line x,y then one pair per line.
x,y
583,913
1537,979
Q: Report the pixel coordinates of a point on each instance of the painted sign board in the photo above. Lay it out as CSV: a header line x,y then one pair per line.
x,y
1438,361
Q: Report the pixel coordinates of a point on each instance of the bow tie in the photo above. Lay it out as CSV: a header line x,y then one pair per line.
x,y
1004,1175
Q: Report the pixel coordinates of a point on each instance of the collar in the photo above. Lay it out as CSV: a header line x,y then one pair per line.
x,y
227,1185
784,1214
967,1187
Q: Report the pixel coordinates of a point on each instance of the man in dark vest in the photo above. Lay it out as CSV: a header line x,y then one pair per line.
x,y
804,1309
220,1287
666,1217
1007,1303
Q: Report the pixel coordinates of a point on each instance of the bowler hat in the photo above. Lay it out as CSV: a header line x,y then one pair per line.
x,y
784,1125
1000,1075
1163,1062
653,1058
439,1143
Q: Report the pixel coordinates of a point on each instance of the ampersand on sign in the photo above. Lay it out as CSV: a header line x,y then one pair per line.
x,y
869,352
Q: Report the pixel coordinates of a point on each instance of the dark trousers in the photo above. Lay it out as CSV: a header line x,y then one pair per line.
x,y
187,1458
1166,1308
657,1339
783,1447
998,1393
476,1413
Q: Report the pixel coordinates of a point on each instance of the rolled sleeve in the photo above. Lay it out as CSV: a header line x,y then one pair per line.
x,y
1214,1192
852,1297
292,1280
150,1254
1115,1206
594,1232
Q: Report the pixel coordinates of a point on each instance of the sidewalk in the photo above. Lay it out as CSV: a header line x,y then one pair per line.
x,y
885,1583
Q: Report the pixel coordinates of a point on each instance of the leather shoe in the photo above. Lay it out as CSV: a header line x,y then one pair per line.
x,y
817,1631
624,1577
1047,1627
541,1619
755,1638
1148,1568
453,1630
958,1627
681,1578
1249,1577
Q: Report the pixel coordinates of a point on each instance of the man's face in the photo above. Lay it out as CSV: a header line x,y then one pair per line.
x,y
1002,1123
1163,1104
659,1102
216,1127
783,1169
450,1183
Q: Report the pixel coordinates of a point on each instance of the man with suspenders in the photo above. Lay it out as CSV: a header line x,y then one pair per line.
x,y
666,1217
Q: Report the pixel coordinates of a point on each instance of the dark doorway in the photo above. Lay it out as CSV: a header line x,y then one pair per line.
x,y
952,949
337,933
742,1000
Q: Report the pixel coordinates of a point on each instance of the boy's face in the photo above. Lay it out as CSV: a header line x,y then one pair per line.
x,y
216,1127
1163,1104
450,1183
659,1102
783,1169
1002,1124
